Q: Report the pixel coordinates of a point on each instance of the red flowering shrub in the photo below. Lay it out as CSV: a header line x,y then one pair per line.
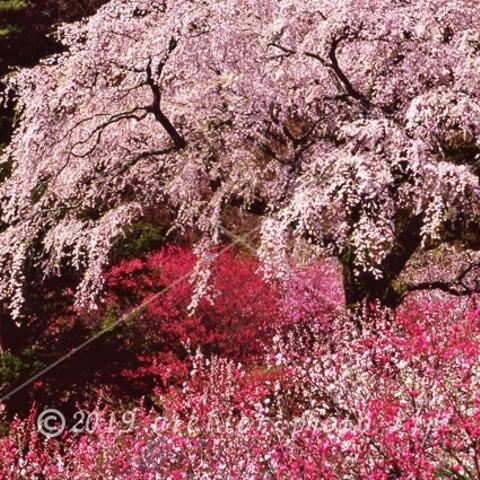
x,y
235,324
148,350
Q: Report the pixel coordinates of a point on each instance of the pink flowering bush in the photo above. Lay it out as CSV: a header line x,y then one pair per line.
x,y
311,295
353,124
397,399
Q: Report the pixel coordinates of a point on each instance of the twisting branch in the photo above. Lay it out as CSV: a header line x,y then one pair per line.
x,y
98,131
126,165
155,107
333,64
456,286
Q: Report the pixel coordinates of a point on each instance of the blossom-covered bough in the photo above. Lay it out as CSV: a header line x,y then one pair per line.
x,y
354,126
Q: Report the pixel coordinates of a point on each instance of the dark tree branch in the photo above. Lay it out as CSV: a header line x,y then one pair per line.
x,y
407,243
98,131
155,107
135,159
334,65
348,91
456,286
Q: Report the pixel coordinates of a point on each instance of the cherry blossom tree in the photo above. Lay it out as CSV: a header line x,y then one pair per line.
x,y
353,126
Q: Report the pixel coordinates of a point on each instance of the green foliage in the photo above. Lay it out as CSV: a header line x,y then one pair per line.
x,y
9,11
9,30
12,5
13,367
447,473
10,368
137,240
125,331
111,317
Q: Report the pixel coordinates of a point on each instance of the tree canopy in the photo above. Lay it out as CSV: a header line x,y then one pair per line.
x,y
353,126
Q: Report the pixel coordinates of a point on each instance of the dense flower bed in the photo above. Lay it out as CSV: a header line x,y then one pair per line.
x,y
396,398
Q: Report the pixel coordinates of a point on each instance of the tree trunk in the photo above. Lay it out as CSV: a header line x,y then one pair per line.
x,y
366,296
3,339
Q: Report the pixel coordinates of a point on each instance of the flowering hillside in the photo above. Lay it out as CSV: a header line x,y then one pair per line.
x,y
240,240
322,400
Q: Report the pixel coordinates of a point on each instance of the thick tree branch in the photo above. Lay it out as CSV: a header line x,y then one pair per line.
x,y
407,243
155,107
456,286
334,65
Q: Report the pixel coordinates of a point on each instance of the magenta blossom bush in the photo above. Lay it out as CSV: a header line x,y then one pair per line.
x,y
236,322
